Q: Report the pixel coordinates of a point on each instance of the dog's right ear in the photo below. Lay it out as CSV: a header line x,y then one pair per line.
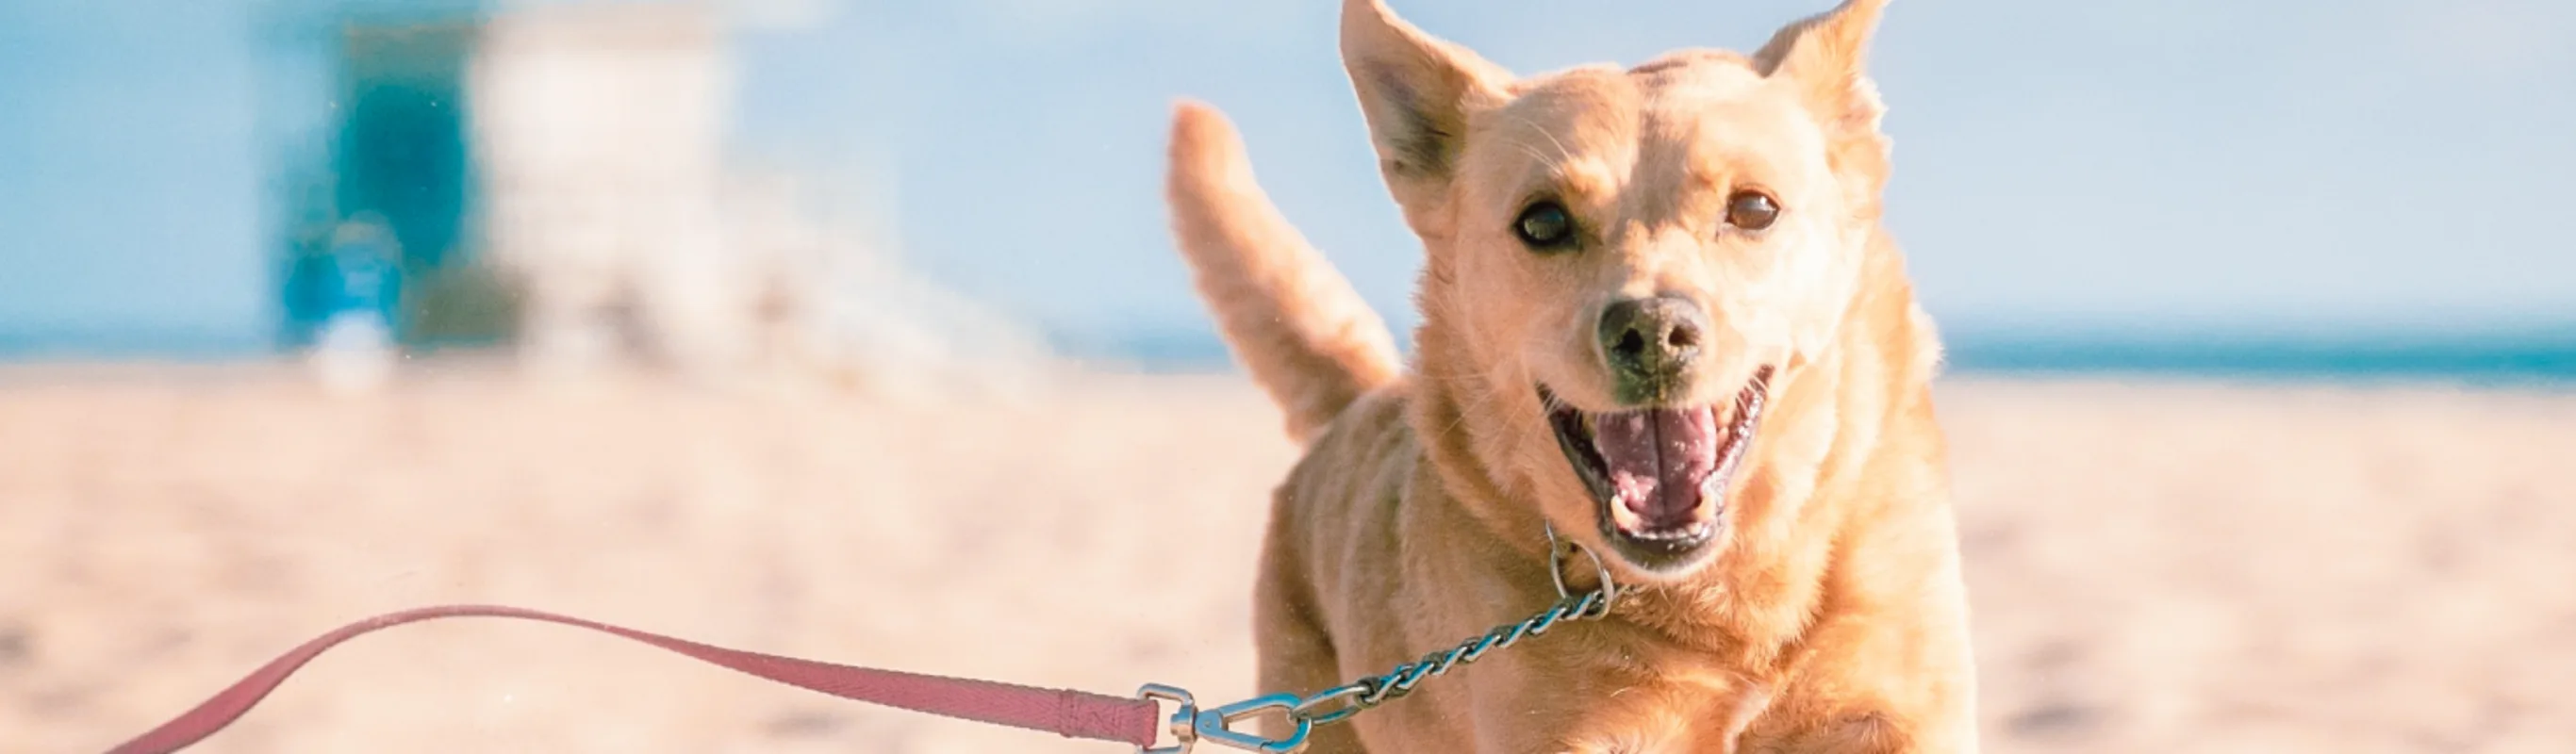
x,y
1416,92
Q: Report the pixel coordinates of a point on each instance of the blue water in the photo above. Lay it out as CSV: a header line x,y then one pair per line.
x,y
2547,357
2472,358
2518,358
132,345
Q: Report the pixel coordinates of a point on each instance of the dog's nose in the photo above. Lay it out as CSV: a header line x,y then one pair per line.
x,y
1651,343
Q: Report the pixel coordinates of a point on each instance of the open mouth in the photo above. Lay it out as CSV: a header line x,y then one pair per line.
x,y
1660,474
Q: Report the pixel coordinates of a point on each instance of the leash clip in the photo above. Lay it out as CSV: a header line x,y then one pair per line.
x,y
1189,724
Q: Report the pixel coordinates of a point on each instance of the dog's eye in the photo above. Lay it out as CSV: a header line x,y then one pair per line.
x,y
1545,226
1751,210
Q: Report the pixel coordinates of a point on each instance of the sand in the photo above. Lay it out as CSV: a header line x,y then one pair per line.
x,y
2155,568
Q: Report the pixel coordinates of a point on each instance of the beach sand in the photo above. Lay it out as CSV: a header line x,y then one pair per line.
x,y
2155,568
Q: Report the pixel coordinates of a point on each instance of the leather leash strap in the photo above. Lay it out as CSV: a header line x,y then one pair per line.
x,y
1073,714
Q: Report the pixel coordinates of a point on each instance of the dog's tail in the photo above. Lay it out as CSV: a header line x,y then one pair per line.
x,y
1290,317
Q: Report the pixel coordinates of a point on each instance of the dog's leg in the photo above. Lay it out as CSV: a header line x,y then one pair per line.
x,y
1294,322
1296,652
1299,659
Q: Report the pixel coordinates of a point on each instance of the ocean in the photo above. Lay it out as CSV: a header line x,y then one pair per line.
x,y
2540,357
2517,358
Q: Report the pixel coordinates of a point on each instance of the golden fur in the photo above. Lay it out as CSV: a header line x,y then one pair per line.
x,y
1832,616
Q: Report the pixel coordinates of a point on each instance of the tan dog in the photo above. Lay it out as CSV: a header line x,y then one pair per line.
x,y
1660,316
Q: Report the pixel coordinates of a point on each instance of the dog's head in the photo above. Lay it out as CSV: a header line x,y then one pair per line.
x,y
1628,263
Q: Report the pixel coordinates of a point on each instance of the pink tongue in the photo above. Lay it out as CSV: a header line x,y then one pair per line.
x,y
1657,458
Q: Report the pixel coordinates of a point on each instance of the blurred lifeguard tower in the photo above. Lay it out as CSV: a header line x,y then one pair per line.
x,y
544,175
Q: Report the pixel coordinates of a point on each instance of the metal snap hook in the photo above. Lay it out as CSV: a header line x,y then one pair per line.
x,y
1216,725
1190,725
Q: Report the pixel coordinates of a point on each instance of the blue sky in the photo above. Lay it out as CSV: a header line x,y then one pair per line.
x,y
2113,166
128,185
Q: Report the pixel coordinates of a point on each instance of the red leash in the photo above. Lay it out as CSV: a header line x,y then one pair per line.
x,y
1073,714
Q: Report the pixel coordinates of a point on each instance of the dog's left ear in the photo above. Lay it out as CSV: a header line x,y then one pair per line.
x,y
1826,57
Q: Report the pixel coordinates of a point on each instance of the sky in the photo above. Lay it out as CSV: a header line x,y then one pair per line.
x,y
2117,166
128,184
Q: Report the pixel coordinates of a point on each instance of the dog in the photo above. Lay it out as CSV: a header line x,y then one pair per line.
x,y
1660,319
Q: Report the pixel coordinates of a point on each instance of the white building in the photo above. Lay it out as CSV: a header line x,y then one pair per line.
x,y
556,174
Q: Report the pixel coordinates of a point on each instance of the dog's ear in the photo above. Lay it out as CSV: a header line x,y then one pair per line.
x,y
1826,57
1416,92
